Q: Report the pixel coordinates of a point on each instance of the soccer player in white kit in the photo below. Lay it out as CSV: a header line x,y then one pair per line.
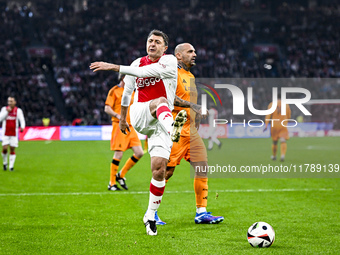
x,y
212,130
155,79
10,116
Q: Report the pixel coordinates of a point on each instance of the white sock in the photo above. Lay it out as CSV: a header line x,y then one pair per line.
x,y
201,209
211,144
215,140
155,198
164,116
4,158
11,160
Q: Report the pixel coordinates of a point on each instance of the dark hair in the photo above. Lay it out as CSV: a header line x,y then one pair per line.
x,y
12,96
160,33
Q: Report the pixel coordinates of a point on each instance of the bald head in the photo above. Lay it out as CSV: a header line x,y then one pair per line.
x,y
186,54
181,47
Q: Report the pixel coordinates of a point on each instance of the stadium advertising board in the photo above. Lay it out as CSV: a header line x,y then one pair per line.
x,y
40,133
80,133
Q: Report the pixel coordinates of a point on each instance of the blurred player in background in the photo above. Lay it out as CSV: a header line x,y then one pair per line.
x,y
213,114
191,146
150,113
277,130
119,141
11,116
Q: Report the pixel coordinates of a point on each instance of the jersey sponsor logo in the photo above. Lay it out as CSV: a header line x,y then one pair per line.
x,y
142,82
11,118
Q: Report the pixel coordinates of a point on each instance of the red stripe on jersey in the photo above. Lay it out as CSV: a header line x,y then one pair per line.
x,y
151,87
11,122
156,191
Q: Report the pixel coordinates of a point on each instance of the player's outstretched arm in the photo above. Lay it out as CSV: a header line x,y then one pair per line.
x,y
123,125
166,67
104,66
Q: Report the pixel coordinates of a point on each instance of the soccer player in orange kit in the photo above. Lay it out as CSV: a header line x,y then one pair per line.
x,y
277,130
119,141
191,146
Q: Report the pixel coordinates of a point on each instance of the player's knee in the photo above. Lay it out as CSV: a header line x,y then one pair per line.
x,y
139,153
4,151
162,100
282,140
118,155
158,172
275,142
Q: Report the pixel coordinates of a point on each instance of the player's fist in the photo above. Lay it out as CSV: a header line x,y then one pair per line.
x,y
9,109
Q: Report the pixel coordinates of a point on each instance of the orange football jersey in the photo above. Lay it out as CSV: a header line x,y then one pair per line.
x,y
114,99
186,90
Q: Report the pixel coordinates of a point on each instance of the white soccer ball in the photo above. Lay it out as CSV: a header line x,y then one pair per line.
x,y
261,235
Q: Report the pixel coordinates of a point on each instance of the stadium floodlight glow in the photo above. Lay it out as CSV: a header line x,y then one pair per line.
x,y
238,100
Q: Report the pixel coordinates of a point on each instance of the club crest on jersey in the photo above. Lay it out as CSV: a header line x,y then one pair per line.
x,y
142,82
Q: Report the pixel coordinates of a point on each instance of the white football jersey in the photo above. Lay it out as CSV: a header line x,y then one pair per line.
x,y
150,79
10,121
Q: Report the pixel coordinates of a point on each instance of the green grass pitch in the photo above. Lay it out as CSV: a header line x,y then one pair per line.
x,y
56,202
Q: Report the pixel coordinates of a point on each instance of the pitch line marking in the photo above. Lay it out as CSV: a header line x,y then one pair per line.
x,y
147,192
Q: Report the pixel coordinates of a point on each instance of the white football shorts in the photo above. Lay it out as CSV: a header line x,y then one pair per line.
x,y
12,141
159,141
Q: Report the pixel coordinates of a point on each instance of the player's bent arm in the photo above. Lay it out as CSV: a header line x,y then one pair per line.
x,y
166,67
21,119
3,113
123,125
110,112
186,104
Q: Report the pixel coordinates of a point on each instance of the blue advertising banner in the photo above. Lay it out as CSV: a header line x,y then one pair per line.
x,y
80,133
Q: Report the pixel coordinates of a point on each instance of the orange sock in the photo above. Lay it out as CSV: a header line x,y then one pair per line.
x,y
283,148
274,149
129,163
201,191
113,171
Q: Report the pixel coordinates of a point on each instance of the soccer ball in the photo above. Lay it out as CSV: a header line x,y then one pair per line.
x,y
261,235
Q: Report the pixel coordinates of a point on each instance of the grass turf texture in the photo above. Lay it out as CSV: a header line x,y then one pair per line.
x,y
56,202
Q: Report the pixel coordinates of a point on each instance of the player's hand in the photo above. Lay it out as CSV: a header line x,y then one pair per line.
x,y
123,125
104,66
118,116
9,109
198,120
264,130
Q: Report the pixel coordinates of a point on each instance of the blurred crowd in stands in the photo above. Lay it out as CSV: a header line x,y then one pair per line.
x,y
304,42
